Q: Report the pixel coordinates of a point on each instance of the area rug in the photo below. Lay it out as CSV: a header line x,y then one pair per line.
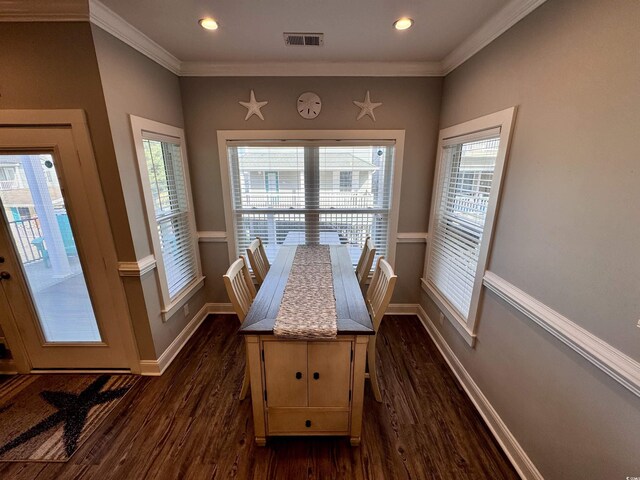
x,y
45,418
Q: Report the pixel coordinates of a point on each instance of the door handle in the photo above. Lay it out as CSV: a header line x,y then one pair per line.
x,y
298,375
316,375
5,275
1,259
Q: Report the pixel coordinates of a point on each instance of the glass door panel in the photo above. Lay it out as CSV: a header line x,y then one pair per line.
x,y
39,226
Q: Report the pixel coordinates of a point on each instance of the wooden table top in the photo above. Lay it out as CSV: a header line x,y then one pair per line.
x,y
353,318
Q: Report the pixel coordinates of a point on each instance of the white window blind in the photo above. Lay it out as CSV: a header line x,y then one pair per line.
x,y
466,177
171,206
325,194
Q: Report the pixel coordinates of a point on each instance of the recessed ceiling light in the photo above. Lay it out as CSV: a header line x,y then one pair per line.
x,y
403,23
208,23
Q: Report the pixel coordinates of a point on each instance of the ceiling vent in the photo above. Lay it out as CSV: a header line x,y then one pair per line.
x,y
303,39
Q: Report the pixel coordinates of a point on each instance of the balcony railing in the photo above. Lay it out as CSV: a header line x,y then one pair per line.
x,y
9,184
27,235
329,199
475,204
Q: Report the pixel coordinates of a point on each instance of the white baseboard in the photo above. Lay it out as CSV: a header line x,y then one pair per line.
x,y
8,367
402,309
150,368
157,367
220,308
521,462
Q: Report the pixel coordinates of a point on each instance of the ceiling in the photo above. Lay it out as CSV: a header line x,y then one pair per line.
x,y
355,30
359,39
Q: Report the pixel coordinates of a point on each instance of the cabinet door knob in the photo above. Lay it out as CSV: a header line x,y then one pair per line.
x,y
316,375
298,375
307,423
5,275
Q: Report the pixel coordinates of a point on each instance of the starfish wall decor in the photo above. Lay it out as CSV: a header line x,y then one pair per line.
x,y
253,107
366,107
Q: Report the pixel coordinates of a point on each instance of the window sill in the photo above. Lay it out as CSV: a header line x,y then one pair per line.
x,y
454,317
169,310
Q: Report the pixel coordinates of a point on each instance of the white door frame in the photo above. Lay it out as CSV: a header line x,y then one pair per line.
x,y
77,122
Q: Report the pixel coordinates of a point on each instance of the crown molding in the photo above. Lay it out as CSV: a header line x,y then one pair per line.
x,y
43,11
311,69
502,21
117,26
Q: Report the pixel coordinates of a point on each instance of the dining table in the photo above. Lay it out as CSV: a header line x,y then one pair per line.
x,y
306,337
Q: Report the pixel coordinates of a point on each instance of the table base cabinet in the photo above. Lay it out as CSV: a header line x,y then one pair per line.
x,y
310,387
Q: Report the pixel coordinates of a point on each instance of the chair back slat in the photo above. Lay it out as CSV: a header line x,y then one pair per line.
x,y
258,260
380,291
366,260
239,287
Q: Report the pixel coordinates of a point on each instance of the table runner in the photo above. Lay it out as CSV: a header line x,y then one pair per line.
x,y
308,306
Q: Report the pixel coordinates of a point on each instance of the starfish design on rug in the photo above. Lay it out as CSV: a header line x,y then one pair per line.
x,y
73,410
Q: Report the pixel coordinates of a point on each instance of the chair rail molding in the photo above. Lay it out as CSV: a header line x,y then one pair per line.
x,y
212,237
137,268
412,237
607,358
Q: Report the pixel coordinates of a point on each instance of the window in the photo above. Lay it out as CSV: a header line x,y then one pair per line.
x,y
468,177
328,191
346,181
8,178
271,182
24,212
165,178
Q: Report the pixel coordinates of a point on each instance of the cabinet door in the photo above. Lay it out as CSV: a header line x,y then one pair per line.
x,y
285,371
329,373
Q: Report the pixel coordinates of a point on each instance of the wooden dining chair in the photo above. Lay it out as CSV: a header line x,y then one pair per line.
x,y
258,260
366,260
378,298
241,292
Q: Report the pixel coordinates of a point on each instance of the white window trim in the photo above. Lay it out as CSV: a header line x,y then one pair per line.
x,y
145,128
396,136
504,121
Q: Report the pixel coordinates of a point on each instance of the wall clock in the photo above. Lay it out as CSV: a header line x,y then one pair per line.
x,y
309,105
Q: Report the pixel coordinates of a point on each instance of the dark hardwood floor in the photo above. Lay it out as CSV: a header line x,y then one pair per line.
x,y
189,424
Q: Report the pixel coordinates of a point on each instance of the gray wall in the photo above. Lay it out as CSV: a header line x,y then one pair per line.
x,y
412,104
567,231
53,66
134,84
